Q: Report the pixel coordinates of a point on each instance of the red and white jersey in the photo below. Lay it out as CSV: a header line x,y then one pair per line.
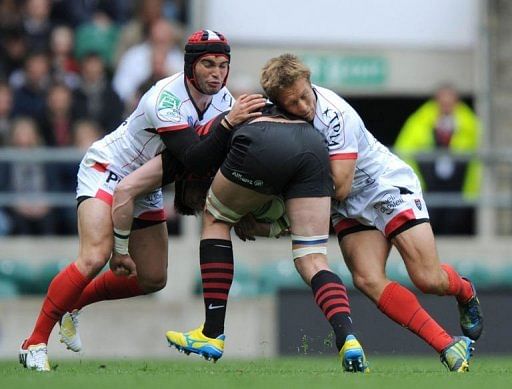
x,y
348,138
167,106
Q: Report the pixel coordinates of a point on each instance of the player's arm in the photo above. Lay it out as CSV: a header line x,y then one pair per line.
x,y
143,180
342,171
200,156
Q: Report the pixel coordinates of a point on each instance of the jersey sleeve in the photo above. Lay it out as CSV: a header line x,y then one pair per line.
x,y
165,111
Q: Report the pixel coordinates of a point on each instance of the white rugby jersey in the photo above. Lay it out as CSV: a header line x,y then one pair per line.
x,y
348,138
167,106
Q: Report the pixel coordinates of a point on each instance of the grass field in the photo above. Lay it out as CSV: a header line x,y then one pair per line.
x,y
305,372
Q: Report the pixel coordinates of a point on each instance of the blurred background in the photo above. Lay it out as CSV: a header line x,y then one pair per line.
x,y
431,80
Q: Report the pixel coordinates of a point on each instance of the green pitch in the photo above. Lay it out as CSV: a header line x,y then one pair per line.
x,y
305,372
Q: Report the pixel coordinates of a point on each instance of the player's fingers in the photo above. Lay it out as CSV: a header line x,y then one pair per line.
x,y
252,96
255,105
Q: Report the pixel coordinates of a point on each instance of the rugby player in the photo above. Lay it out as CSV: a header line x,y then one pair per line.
x,y
167,116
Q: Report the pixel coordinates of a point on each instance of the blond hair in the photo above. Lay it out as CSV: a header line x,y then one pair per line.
x,y
282,72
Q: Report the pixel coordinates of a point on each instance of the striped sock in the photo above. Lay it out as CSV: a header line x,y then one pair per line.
x,y
331,296
216,258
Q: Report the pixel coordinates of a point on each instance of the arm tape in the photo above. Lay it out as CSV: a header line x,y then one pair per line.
x,y
121,240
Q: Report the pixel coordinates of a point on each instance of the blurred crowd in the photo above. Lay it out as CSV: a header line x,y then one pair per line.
x,y
69,72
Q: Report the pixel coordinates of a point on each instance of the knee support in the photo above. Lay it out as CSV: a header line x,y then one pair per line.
x,y
316,244
220,211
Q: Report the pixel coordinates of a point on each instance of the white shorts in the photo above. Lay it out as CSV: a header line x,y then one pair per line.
x,y
391,204
99,182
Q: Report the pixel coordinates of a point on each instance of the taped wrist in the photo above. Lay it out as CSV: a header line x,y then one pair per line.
x,y
121,240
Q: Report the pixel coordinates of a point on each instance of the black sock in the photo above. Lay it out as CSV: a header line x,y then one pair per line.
x,y
331,296
216,257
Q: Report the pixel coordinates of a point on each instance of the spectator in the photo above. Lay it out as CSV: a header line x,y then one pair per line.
x,y
95,99
58,117
135,65
100,35
84,134
65,67
29,216
132,33
5,112
10,15
30,86
445,123
74,13
37,24
14,48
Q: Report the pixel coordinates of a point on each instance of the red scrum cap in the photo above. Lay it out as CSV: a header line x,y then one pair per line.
x,y
204,42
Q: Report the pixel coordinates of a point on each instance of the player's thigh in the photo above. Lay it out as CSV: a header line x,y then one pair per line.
x,y
309,216
148,248
238,198
95,234
309,225
417,247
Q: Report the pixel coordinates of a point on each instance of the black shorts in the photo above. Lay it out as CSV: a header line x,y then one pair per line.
x,y
288,159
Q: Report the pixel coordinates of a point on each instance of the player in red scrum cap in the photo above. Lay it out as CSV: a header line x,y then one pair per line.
x,y
168,116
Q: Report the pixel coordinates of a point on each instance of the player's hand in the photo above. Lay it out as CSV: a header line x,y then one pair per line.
x,y
244,229
122,265
246,107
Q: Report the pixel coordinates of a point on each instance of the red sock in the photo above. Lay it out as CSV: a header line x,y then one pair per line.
x,y
402,306
108,286
63,291
458,286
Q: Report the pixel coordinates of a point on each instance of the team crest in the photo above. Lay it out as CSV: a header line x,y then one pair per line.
x,y
168,108
418,203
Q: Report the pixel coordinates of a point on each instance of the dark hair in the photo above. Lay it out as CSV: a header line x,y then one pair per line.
x,y
180,188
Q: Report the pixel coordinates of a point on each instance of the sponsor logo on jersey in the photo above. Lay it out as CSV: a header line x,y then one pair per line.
x,y
418,203
389,204
334,126
246,180
168,107
154,199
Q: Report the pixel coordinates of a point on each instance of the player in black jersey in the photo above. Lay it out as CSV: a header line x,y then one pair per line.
x,y
273,155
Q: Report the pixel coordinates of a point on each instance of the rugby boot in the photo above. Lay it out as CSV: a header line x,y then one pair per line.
x,y
68,332
196,342
352,356
34,357
457,355
471,316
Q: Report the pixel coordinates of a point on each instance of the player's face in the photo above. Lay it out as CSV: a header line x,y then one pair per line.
x,y
210,72
299,100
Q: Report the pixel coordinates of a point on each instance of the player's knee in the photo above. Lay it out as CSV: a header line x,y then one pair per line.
x,y
152,283
308,265
93,261
369,284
